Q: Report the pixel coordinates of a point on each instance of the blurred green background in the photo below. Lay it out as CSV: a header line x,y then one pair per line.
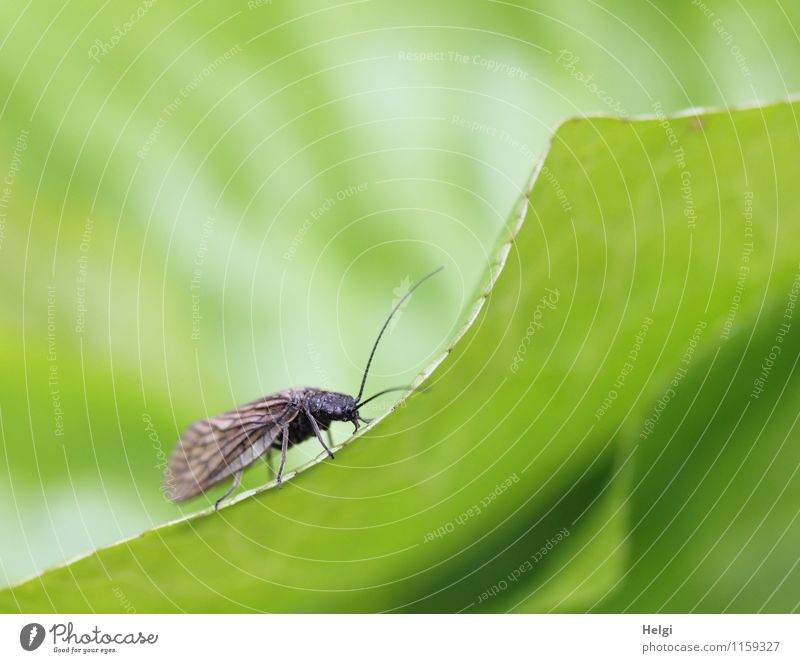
x,y
204,203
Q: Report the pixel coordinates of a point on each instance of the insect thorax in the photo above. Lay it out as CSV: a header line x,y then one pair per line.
x,y
330,405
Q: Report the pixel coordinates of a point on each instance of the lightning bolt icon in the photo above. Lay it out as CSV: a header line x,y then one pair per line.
x,y
32,635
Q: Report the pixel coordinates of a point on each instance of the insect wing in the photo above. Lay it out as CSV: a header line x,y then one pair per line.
x,y
213,449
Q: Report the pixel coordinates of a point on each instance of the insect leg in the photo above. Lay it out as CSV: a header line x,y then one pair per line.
x,y
315,426
237,479
329,435
284,449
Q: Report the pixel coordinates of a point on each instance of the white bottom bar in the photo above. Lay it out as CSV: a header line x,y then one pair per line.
x,y
401,638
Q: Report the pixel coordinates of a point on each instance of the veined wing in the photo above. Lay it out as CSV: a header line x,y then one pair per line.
x,y
213,449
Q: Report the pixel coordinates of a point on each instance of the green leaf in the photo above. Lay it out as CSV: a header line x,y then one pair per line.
x,y
590,442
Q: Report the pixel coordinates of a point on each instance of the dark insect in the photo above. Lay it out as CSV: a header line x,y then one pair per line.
x,y
211,450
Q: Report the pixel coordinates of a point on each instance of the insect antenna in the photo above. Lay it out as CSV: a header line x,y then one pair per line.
x,y
385,391
386,324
